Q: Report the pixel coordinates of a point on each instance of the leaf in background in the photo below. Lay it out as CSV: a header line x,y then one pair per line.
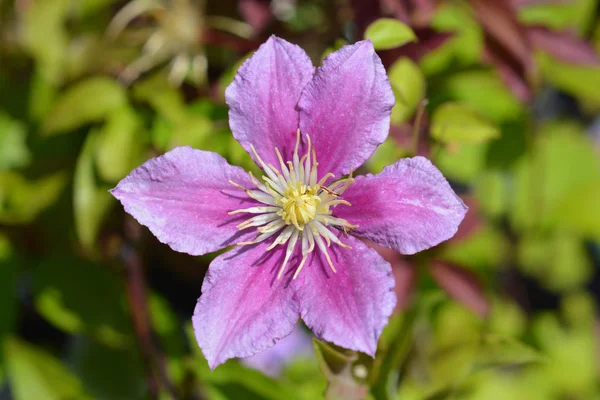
x,y
21,201
386,154
563,46
485,249
567,14
35,374
44,35
580,211
13,147
563,160
108,373
461,285
166,100
78,296
460,123
463,49
86,102
579,80
558,262
463,164
120,145
503,352
388,33
481,89
492,193
91,203
408,84
8,295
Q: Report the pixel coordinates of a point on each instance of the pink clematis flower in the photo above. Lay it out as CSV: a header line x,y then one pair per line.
x,y
297,256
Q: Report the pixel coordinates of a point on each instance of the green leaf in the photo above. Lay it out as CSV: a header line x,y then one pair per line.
x,y
497,351
120,145
463,49
578,80
481,89
86,102
408,84
21,201
68,290
462,163
559,262
542,180
559,15
388,33
486,249
91,203
35,374
13,148
386,154
460,123
44,35
108,372
8,290
579,210
492,192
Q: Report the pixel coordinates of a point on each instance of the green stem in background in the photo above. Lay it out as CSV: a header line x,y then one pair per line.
x,y
385,385
416,133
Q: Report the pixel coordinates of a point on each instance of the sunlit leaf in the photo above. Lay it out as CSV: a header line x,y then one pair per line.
x,y
578,80
463,164
492,193
386,154
408,84
563,161
481,89
44,35
559,262
460,123
579,210
86,102
35,374
90,202
387,33
21,200
13,147
120,145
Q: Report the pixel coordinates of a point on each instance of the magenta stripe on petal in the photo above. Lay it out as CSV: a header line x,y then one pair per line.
x,y
263,96
408,207
351,307
184,196
244,309
346,108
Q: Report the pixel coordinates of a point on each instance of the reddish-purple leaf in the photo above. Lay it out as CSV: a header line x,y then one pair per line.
x,y
563,45
257,13
461,285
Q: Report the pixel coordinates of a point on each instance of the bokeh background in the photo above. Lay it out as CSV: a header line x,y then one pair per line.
x,y
503,96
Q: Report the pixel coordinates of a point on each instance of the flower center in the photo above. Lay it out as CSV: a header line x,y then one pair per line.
x,y
299,204
296,206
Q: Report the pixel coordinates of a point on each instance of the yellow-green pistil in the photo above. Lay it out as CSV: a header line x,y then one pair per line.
x,y
296,206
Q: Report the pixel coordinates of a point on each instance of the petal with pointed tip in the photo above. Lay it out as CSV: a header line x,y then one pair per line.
x,y
184,196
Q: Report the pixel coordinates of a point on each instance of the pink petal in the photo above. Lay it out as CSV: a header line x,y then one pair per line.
x,y
184,196
346,108
408,207
263,96
350,307
244,309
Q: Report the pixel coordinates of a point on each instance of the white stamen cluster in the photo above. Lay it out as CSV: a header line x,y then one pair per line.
x,y
296,206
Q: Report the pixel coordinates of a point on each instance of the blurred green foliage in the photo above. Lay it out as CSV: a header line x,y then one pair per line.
x,y
87,305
